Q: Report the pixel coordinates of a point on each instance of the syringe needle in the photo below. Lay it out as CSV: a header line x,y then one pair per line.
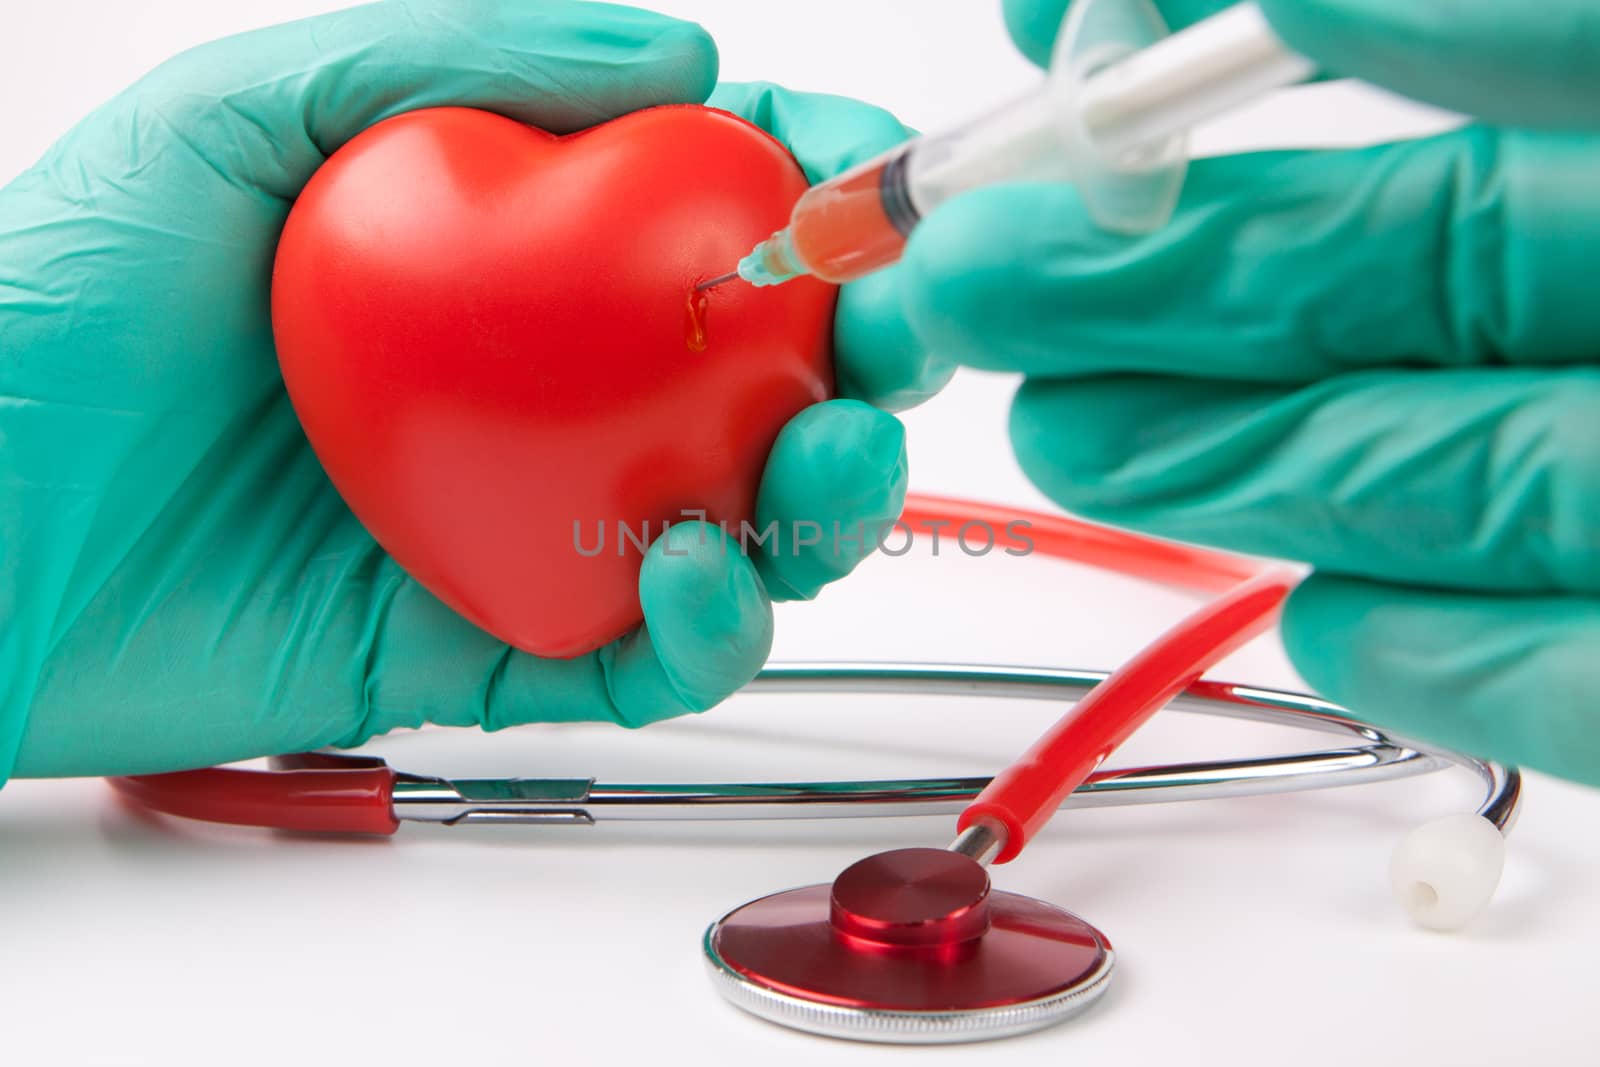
x,y
718,280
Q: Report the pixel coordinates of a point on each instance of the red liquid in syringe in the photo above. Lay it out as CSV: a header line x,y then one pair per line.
x,y
843,229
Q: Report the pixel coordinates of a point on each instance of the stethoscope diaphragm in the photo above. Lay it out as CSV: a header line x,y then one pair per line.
x,y
908,947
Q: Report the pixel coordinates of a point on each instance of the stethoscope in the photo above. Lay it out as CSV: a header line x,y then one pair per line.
x,y
914,945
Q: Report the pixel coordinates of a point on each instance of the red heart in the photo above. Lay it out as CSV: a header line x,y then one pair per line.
x,y
484,331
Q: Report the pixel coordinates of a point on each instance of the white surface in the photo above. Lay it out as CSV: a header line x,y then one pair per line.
x,y
1256,932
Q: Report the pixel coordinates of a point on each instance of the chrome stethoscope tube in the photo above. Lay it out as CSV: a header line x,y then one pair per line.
x,y
1372,755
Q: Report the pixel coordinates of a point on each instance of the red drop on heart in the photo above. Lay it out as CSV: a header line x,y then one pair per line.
x,y
482,329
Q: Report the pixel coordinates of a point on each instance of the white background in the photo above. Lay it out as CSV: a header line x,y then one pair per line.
x,y
1250,931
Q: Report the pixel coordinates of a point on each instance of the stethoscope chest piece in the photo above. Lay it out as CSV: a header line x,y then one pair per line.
x,y
910,947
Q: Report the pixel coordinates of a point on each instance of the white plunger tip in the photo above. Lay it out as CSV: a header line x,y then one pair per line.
x,y
1444,872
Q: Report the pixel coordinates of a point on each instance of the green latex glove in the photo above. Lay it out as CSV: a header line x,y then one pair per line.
x,y
179,583
1382,362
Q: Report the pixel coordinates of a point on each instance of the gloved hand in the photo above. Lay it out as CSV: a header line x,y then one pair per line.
x,y
179,582
1382,362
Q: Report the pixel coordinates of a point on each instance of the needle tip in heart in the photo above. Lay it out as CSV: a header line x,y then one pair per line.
x,y
718,280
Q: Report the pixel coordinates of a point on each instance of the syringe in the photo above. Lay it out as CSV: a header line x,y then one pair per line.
x,y
1112,117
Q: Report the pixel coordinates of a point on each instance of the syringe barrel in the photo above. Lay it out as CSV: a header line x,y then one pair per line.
x,y
844,228
1174,85
858,222
1118,116
1022,140
1110,118
1120,113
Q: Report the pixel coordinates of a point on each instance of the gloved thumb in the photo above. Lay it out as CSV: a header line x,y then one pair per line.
x,y
1035,24
267,107
1508,64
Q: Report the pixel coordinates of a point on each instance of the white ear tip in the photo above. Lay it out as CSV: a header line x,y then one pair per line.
x,y
1445,872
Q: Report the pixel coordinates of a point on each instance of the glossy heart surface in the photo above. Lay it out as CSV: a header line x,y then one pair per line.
x,y
490,335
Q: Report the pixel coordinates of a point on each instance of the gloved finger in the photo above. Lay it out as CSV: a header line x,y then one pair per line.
x,y
1505,63
267,107
1034,23
1473,247
1502,677
835,479
1470,479
878,358
827,134
707,630
1499,62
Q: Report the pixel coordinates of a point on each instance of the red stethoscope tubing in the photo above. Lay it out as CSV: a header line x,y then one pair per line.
x,y
1201,570
356,800
1024,796
309,797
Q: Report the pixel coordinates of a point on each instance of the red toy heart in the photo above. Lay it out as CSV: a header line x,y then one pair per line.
x,y
486,332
